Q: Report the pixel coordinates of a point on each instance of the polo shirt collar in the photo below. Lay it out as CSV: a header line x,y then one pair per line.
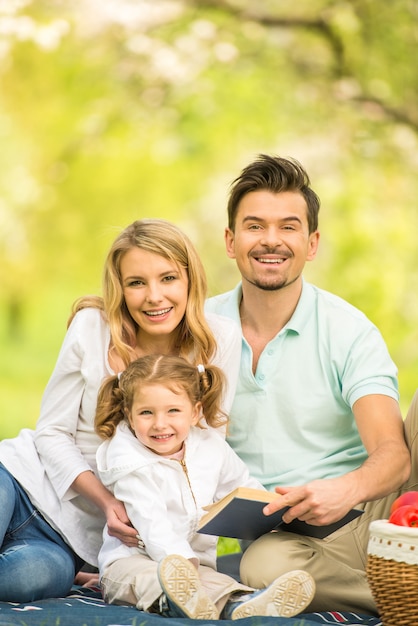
x,y
304,309
300,317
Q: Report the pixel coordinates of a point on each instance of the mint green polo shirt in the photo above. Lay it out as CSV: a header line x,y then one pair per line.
x,y
292,421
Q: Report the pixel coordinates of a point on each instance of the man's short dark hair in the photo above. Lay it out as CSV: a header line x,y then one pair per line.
x,y
275,174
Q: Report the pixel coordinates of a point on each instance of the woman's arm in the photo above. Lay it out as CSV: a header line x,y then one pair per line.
x,y
65,436
117,519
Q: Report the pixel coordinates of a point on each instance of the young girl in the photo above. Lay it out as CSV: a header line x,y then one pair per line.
x,y
161,462
53,506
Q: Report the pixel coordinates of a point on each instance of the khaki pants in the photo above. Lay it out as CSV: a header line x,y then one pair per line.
x,y
338,562
134,580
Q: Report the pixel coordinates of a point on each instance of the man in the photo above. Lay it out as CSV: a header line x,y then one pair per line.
x,y
316,414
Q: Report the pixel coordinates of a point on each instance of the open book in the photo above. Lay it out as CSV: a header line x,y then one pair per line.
x,y
240,514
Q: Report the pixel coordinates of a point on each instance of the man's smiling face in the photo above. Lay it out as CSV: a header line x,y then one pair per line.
x,y
271,241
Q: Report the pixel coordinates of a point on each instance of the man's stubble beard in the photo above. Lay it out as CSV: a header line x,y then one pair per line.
x,y
270,287
276,286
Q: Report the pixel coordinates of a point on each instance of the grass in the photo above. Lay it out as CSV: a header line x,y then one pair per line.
x,y
228,546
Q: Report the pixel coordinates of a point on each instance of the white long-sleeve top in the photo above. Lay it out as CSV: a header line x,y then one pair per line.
x,y
46,461
164,497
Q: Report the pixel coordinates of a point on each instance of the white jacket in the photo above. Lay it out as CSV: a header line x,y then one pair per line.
x,y
164,497
47,460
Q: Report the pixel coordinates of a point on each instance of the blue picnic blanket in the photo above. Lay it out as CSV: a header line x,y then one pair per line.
x,y
85,607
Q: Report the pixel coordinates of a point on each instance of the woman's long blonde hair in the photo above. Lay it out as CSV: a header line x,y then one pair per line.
x,y
117,393
195,338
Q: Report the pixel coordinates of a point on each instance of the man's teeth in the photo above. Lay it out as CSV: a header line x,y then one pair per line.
x,y
156,313
271,261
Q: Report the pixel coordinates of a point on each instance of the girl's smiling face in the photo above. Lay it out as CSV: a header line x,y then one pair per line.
x,y
161,417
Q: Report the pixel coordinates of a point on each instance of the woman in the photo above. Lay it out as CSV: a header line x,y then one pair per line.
x,y
53,505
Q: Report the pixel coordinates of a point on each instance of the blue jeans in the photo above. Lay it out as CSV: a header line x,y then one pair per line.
x,y
35,561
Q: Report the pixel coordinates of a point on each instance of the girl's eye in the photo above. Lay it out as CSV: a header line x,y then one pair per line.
x,y
135,283
174,410
145,412
169,278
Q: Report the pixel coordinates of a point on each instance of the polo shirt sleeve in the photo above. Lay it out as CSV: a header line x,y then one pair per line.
x,y
366,367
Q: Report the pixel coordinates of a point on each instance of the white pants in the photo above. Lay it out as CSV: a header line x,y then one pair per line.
x,y
134,581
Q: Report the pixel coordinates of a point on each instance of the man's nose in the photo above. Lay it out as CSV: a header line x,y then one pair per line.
x,y
271,237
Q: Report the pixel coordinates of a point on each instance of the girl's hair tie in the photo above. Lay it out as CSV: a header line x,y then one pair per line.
x,y
201,368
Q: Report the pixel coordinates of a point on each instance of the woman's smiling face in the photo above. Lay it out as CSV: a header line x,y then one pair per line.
x,y
155,291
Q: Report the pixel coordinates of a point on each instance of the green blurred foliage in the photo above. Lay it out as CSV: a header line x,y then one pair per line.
x,y
115,111
228,546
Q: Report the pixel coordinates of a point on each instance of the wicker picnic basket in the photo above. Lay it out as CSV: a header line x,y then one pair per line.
x,y
392,572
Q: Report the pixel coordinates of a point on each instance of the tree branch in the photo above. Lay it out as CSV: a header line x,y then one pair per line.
x,y
318,24
324,29
397,115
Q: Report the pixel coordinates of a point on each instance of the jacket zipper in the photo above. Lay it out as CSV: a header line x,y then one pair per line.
x,y
184,466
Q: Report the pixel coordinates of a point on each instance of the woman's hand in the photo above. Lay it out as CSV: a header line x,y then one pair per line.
x,y
118,522
119,525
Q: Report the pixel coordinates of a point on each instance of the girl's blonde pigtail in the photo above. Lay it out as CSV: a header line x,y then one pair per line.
x,y
110,407
212,385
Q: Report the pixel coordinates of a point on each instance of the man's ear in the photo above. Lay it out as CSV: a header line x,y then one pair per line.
x,y
230,243
313,245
